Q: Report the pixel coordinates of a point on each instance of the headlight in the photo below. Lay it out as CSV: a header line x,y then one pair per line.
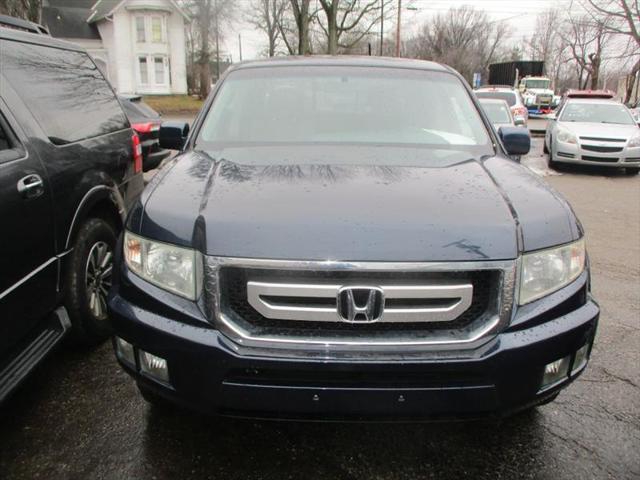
x,y
546,271
566,136
635,141
172,268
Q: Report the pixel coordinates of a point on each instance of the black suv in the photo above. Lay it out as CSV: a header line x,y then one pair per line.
x,y
69,167
347,238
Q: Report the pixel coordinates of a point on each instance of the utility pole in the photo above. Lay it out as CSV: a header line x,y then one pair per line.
x,y
381,27
240,45
398,28
215,7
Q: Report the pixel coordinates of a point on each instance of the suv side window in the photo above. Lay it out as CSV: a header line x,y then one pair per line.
x,y
64,90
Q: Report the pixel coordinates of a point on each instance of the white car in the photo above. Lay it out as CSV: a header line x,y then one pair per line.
x,y
511,96
594,132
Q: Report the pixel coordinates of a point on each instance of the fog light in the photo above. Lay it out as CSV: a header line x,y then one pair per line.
x,y
124,350
154,366
556,371
580,360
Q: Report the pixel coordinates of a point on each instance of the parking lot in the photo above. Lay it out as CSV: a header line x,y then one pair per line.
x,y
79,416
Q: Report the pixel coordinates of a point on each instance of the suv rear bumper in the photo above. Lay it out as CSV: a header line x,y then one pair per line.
x,y
211,374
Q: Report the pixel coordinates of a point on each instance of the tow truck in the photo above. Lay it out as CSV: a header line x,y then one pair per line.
x,y
537,94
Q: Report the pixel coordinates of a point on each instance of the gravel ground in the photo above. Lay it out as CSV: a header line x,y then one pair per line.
x,y
80,417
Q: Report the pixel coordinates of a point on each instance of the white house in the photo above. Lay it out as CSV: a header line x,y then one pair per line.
x,y
139,44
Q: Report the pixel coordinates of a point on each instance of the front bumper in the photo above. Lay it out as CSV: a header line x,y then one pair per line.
x,y
585,154
210,373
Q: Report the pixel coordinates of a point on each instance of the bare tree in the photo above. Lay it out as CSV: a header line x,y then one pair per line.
x,y
545,38
209,16
302,17
26,9
547,45
586,41
622,18
463,38
350,20
267,15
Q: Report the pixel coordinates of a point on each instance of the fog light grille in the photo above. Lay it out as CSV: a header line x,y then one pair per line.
x,y
153,366
555,372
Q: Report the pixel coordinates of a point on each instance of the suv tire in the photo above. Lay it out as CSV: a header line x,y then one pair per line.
x,y
631,171
88,282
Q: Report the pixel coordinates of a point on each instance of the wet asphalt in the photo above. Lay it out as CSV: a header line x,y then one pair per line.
x,y
80,417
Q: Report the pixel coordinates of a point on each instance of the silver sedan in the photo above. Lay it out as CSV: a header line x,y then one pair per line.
x,y
594,132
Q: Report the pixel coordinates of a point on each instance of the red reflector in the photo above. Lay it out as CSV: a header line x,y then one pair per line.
x,y
137,153
145,127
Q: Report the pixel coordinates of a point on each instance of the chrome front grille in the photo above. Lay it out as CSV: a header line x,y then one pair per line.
x,y
309,300
360,303
295,304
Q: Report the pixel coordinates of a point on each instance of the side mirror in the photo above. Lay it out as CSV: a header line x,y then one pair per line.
x,y
173,135
519,122
516,140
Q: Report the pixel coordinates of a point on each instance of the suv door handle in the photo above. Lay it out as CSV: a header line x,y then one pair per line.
x,y
31,186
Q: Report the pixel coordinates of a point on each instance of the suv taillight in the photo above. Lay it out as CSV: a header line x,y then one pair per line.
x,y
137,153
146,127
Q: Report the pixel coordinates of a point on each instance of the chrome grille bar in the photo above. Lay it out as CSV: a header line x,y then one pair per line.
x,y
273,300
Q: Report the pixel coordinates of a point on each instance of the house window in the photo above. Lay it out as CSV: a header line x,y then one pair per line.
x,y
154,71
140,30
156,30
144,72
159,70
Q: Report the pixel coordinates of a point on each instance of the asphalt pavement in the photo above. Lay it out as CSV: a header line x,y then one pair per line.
x,y
80,417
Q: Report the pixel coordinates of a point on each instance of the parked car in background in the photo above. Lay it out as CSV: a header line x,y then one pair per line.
x,y
593,94
594,131
498,112
70,166
22,25
511,96
499,115
146,122
346,237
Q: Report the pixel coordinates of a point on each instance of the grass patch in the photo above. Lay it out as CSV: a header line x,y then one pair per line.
x,y
173,104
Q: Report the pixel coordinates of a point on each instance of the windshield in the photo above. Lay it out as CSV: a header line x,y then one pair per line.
x,y
596,113
509,97
538,83
497,112
341,105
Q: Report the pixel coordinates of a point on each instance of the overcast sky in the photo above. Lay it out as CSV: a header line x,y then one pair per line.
x,y
520,14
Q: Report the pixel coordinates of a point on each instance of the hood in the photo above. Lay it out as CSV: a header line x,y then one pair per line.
x,y
332,204
601,130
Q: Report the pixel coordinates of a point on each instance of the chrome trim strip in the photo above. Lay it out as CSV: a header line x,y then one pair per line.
x,y
463,293
474,335
27,277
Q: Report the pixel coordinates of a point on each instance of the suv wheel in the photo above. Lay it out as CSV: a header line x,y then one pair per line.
x,y
89,281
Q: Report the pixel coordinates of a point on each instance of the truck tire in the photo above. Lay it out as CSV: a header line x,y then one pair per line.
x,y
88,282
